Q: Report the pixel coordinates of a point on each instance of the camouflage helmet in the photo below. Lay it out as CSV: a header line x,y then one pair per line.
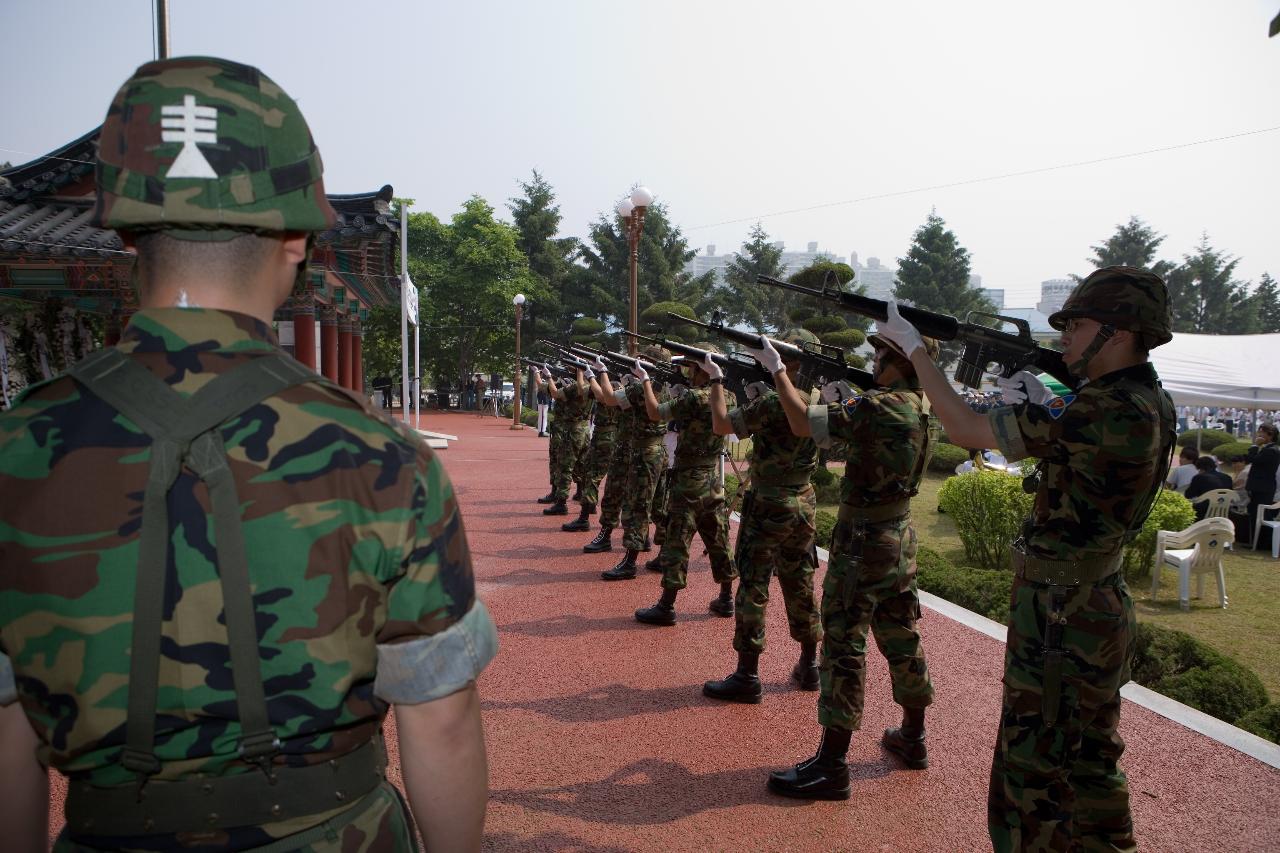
x,y
1124,297
797,335
653,353
207,149
931,345
708,346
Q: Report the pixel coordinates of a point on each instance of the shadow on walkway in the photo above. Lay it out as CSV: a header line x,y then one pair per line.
x,y
542,842
615,702
573,625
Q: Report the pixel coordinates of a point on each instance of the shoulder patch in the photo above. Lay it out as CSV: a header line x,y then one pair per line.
x,y
851,403
1058,405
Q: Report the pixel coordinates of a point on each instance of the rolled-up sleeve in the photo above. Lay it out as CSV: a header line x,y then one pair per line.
x,y
8,687
738,420
433,667
819,425
1008,433
664,410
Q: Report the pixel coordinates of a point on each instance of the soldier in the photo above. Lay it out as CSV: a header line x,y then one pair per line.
x,y
573,406
594,464
249,561
871,576
695,497
776,533
638,471
1056,783
542,383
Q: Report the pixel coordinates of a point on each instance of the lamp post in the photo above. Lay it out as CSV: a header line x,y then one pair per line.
x,y
518,301
632,212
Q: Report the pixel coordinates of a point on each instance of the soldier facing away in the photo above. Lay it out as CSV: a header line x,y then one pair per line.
x,y
250,562
871,576
1056,782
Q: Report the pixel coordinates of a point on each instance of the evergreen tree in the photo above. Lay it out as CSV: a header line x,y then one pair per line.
x,y
742,299
1267,304
935,275
1205,298
830,324
1134,244
537,220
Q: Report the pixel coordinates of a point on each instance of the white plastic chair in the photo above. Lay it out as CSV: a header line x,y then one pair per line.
x,y
1196,550
1219,502
1274,523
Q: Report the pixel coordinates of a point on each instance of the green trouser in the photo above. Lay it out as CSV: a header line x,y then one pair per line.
x,y
647,458
615,484
658,506
870,584
572,441
695,501
776,535
1056,783
596,462
553,448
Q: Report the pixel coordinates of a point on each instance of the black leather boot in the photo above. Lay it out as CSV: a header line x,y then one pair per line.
x,y
662,613
907,741
742,685
602,542
805,673
722,604
557,508
823,777
653,565
625,570
578,524
548,498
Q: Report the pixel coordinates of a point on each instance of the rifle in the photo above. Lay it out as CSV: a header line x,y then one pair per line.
x,y
661,371
556,370
566,355
740,370
983,345
819,363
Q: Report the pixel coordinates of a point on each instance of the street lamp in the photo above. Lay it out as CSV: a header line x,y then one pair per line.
x,y
632,212
518,301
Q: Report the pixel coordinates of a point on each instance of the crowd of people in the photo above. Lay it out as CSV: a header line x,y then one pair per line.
x,y
1236,421
1254,475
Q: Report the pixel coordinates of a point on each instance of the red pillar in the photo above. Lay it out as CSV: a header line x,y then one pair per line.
x,y
111,334
357,357
344,352
329,343
304,332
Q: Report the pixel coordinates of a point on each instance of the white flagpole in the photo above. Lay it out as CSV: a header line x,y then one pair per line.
x,y
405,284
417,371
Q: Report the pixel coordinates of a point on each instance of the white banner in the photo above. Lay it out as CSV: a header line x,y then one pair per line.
x,y
411,301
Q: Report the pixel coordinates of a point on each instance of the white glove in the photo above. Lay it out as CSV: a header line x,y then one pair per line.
x,y
710,367
588,374
834,392
546,376
599,366
533,371
899,331
639,372
767,356
1024,386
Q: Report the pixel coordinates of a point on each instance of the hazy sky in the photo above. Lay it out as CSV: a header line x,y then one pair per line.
x,y
735,110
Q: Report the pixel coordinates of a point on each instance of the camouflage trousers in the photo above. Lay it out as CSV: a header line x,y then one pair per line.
x,y
570,443
658,506
695,502
615,483
776,536
594,464
1056,783
870,584
647,459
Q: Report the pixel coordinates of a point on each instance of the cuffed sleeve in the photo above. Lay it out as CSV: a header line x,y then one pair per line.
x,y
819,426
8,687
664,410
433,667
621,397
738,420
1008,433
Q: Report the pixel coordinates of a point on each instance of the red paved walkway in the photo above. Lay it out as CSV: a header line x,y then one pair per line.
x,y
599,738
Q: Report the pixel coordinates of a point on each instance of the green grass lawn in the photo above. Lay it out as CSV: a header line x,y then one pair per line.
x,y
1248,630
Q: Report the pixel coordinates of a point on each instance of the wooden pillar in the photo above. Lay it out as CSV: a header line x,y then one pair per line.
x,y
329,343
304,331
344,352
357,356
111,333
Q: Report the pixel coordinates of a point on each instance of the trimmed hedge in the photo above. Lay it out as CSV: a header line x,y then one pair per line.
x,y
1211,438
988,508
1232,450
826,522
946,457
1263,722
1183,668
1172,511
984,591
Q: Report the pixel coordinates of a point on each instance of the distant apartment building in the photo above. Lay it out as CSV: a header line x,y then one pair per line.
x,y
709,262
994,295
878,280
1053,293
792,262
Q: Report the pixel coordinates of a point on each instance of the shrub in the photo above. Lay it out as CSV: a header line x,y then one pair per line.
x,y
1209,438
826,522
1263,722
730,486
822,476
1183,668
846,339
988,508
983,591
1232,450
823,323
1172,511
946,457
529,417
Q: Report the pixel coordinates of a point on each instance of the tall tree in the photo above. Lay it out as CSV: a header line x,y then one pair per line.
x,y
1134,244
832,326
1267,304
762,307
537,220
935,275
1206,298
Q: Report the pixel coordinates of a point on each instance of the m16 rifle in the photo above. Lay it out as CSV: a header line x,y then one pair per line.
x,y
983,345
660,371
556,370
819,363
741,371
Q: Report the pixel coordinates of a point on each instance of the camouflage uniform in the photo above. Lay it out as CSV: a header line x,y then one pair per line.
x,y
598,458
778,525
1057,753
643,467
662,491
568,437
696,496
871,576
359,579
615,483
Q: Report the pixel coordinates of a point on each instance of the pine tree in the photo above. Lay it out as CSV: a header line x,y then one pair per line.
x,y
1267,302
935,275
537,221
1134,244
742,299
1205,298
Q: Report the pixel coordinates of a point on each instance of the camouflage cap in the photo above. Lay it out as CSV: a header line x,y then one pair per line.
x,y
1125,297
931,345
797,335
653,353
207,148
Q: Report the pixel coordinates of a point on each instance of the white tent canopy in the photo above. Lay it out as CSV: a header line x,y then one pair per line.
x,y
1221,370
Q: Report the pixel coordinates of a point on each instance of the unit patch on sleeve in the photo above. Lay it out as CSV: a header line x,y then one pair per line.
x,y
851,403
1058,405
